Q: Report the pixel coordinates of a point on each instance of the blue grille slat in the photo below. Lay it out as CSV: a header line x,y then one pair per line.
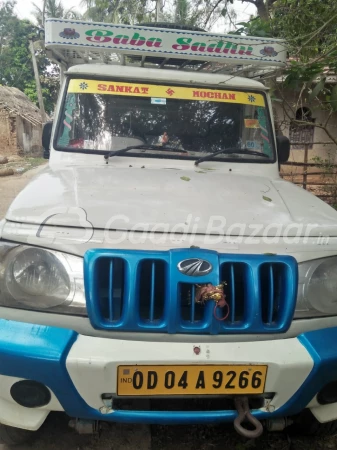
x,y
232,294
153,280
193,303
253,306
130,318
171,306
271,294
162,300
111,291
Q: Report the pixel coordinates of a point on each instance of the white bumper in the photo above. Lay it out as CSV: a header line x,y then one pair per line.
x,y
92,363
92,366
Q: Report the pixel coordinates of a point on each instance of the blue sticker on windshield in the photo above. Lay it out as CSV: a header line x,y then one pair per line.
x,y
253,145
158,101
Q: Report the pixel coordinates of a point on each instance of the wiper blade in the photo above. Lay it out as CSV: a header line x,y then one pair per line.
x,y
122,151
230,151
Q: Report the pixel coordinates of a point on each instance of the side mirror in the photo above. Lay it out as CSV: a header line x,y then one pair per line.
x,y
46,137
283,148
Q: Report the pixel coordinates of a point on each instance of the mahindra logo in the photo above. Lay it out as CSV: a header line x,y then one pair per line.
x,y
195,267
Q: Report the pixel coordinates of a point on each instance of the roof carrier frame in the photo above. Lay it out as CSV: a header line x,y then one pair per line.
x,y
71,42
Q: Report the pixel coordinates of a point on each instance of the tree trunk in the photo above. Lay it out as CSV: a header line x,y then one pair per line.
x,y
43,12
38,85
262,10
159,10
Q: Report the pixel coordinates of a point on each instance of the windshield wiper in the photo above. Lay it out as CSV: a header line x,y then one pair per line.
x,y
230,151
142,147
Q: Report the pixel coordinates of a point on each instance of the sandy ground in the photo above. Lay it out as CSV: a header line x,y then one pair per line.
x,y
11,186
55,433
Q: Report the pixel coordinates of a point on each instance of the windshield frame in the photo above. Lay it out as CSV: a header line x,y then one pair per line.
x,y
163,155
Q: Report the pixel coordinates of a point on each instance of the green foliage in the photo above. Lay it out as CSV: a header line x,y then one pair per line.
x,y
333,98
118,11
255,27
329,175
310,29
15,64
299,74
201,13
54,8
308,25
182,11
16,68
317,89
50,88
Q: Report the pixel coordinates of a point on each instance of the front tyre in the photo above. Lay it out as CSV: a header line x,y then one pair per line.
x,y
306,424
15,436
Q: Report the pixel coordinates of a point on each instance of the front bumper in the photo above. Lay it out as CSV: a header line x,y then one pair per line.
x,y
79,369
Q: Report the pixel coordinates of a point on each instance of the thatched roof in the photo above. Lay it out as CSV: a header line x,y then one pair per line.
x,y
17,103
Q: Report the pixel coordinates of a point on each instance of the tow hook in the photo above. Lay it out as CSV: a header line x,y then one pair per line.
x,y
242,407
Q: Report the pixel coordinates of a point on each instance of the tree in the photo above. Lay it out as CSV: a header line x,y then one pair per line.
x,y
198,12
15,58
309,28
53,8
119,11
50,87
181,11
263,7
201,13
15,64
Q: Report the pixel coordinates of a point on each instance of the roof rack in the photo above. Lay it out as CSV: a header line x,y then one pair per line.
x,y
71,42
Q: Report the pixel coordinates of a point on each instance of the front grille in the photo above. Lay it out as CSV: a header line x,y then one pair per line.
x,y
145,291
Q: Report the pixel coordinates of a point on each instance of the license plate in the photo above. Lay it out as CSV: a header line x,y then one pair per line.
x,y
191,380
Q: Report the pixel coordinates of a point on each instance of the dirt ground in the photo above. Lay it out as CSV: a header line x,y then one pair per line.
x,y
55,433
318,182
24,170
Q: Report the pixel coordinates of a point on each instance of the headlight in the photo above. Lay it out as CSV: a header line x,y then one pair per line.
x,y
34,278
317,290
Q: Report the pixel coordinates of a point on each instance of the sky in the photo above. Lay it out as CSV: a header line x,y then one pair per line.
x,y
243,10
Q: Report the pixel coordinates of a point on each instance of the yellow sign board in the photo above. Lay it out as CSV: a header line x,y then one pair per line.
x,y
82,86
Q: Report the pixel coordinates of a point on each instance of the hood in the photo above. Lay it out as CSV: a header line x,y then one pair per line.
x,y
171,200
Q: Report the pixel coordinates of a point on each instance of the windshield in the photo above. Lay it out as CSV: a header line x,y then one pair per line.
x,y
103,116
